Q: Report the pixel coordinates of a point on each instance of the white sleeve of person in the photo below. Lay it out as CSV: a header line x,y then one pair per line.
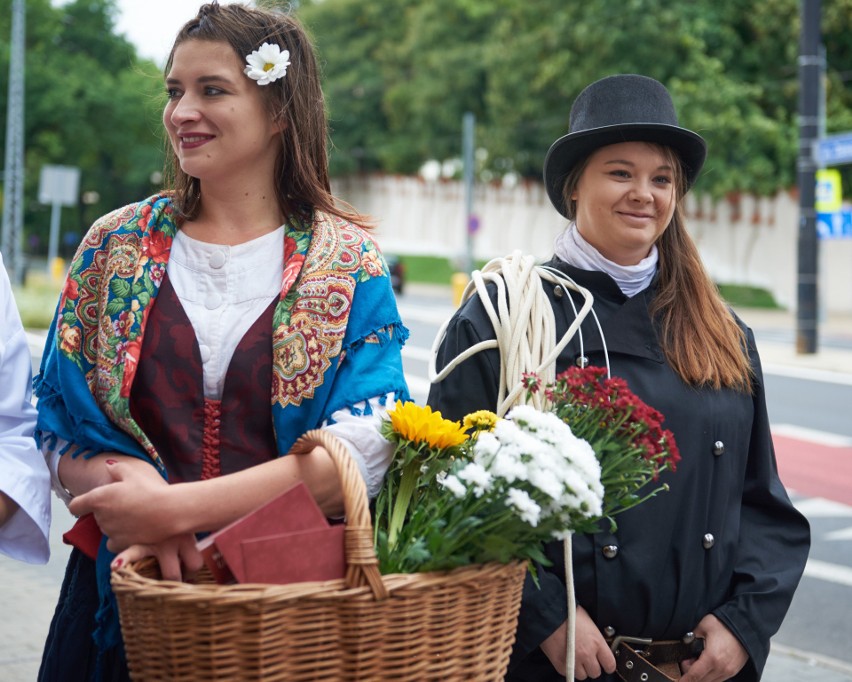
x,y
23,472
361,435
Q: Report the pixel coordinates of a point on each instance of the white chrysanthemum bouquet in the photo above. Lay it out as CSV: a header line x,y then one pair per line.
x,y
492,489
453,499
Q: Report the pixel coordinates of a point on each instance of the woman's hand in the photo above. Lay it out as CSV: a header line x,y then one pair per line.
x,y
592,656
132,508
177,556
723,655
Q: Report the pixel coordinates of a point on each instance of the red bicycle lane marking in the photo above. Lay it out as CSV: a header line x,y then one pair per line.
x,y
815,469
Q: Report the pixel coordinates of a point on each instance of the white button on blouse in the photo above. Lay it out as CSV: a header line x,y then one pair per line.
x,y
223,290
218,259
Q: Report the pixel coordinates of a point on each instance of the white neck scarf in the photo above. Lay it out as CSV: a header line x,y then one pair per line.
x,y
631,279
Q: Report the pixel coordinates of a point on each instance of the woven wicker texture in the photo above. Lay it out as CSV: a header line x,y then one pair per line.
x,y
456,625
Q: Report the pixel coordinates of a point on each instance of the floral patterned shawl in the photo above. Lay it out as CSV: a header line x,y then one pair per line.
x,y
336,329
337,337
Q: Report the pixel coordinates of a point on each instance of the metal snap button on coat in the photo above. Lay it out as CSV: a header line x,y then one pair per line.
x,y
558,292
718,448
610,551
582,361
708,540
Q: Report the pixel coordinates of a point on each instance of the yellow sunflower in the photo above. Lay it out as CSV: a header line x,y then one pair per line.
x,y
419,424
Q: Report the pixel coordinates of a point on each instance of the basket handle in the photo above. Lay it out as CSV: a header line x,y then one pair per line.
x,y
362,565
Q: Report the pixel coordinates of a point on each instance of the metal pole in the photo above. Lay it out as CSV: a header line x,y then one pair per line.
x,y
13,176
467,157
823,106
809,94
53,243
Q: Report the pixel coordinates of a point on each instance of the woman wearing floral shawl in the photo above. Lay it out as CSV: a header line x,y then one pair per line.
x,y
201,331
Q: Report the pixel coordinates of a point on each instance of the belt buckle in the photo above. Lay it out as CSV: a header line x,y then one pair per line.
x,y
617,641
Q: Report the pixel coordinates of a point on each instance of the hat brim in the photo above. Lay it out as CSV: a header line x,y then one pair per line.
x,y
572,148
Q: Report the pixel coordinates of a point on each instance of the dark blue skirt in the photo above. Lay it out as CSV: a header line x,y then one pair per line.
x,y
70,653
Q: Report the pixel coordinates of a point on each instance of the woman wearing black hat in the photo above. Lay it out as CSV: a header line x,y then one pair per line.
x,y
714,561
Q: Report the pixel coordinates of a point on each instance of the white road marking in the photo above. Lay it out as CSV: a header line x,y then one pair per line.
x,y
820,508
813,435
811,374
417,353
833,573
839,535
418,387
436,315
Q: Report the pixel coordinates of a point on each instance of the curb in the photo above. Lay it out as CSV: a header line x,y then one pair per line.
x,y
812,659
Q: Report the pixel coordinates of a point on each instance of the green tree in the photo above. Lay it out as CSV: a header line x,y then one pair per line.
x,y
684,45
440,53
400,74
352,39
90,102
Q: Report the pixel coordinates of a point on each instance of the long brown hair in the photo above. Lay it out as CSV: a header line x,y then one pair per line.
x,y
697,331
301,168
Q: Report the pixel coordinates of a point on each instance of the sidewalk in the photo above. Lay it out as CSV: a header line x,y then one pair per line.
x,y
790,665
775,332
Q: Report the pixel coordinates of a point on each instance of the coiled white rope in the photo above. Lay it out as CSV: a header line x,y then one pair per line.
x,y
525,329
523,322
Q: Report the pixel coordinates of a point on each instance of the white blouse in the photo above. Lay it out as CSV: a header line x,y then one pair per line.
x,y
223,290
23,474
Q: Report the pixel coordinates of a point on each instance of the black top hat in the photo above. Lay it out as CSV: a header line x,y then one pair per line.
x,y
622,108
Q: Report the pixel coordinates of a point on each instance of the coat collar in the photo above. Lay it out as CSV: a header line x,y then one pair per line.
x,y
626,322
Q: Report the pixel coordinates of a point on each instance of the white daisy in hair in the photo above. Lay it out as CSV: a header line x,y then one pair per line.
x,y
267,63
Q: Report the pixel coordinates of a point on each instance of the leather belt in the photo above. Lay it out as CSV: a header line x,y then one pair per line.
x,y
644,660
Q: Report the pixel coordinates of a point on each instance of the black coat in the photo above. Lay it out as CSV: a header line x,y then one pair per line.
x,y
663,579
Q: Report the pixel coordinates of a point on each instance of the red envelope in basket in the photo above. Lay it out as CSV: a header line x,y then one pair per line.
x,y
293,511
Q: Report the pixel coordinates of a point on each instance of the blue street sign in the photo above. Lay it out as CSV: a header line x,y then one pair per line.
x,y
834,150
837,225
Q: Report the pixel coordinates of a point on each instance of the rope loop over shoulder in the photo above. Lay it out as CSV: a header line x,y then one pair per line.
x,y
525,338
524,325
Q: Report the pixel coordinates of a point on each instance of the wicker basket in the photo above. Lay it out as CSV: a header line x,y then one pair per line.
x,y
421,626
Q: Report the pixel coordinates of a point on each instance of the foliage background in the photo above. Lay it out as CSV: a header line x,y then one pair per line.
x,y
399,74
89,102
